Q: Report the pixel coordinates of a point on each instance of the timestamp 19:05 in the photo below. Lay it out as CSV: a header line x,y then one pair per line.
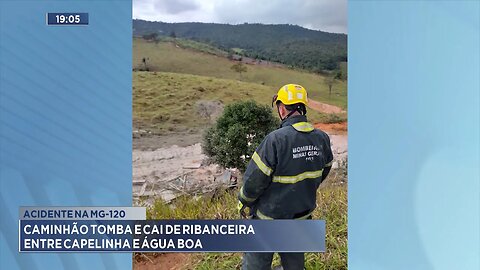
x,y
68,18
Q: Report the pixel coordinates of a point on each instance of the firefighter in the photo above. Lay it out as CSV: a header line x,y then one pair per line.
x,y
284,173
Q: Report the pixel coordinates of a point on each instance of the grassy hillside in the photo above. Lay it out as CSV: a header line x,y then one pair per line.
x,y
167,57
169,102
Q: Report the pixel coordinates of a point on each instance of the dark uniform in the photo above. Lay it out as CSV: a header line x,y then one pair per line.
x,y
282,178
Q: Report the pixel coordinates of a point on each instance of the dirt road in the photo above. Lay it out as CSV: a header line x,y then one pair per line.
x,y
323,107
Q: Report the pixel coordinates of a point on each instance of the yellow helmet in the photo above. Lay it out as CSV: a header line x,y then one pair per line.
x,y
291,94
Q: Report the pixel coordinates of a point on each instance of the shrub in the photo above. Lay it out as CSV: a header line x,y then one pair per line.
x,y
237,133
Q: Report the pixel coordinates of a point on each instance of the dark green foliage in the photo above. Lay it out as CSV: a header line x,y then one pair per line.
x,y
338,75
287,44
150,36
237,133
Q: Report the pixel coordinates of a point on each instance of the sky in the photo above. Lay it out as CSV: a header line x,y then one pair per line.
x,y
324,15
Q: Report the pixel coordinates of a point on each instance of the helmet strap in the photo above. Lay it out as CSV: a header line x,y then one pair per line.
x,y
288,115
297,109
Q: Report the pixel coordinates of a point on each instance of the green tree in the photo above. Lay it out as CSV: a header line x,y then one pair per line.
x,y
240,68
329,80
145,64
237,133
338,75
230,54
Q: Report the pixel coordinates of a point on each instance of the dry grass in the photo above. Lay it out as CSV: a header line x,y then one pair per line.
x,y
332,207
166,102
167,57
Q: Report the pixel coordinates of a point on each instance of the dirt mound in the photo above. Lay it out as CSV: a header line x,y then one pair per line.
x,y
338,140
323,107
165,261
333,128
173,171
340,149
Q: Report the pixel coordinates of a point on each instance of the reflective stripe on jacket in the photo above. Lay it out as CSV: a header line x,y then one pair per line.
x,y
285,171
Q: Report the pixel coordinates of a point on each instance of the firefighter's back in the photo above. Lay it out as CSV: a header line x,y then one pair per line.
x,y
302,153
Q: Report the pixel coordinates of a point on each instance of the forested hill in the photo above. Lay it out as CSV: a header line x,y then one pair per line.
x,y
287,44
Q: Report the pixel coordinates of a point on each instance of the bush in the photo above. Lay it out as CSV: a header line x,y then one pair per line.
x,y
237,133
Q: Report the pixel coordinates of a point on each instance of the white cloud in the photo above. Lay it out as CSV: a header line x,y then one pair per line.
x,y
325,15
